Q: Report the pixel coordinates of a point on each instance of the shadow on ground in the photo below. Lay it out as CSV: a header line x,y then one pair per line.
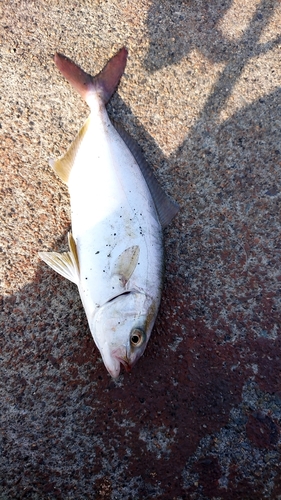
x,y
69,427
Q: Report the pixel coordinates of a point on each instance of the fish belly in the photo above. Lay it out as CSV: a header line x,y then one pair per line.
x,y
112,210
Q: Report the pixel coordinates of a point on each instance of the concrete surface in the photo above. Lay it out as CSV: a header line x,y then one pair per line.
x,y
199,417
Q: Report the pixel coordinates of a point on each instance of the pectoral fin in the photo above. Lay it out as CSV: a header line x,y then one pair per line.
x,y
66,264
126,264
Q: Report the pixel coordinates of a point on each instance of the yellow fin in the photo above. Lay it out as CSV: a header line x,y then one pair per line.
x,y
63,166
126,263
73,251
66,264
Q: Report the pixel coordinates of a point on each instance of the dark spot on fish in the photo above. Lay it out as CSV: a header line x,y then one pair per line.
x,y
109,255
86,278
114,234
97,252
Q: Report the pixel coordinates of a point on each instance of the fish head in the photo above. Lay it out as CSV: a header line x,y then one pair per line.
x,y
121,329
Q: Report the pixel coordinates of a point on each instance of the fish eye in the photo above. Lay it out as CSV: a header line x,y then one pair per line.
x,y
137,337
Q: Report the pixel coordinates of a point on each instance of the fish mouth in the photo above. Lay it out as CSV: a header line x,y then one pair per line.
x,y
123,359
117,358
114,369
125,363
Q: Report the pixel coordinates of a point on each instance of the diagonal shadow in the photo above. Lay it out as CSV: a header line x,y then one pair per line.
x,y
177,28
232,172
247,48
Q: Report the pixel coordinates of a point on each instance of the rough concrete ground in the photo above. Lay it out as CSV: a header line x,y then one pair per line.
x,y
199,417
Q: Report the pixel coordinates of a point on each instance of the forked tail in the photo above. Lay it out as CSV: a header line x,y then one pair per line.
x,y
104,83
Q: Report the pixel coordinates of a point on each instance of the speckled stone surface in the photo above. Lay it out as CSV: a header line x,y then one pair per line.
x,y
199,417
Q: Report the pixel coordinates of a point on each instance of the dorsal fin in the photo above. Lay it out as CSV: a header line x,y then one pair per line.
x,y
63,166
166,208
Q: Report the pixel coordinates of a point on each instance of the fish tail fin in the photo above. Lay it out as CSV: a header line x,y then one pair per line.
x,y
104,83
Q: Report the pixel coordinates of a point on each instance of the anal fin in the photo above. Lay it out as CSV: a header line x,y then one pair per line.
x,y
166,208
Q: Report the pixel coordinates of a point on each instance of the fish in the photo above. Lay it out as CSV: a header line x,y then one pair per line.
x,y
118,212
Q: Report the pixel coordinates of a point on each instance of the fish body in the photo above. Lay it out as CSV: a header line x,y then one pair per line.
x,y
116,247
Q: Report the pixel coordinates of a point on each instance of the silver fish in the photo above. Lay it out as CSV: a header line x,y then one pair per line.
x,y
118,210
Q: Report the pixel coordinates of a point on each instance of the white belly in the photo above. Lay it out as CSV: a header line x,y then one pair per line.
x,y
112,210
